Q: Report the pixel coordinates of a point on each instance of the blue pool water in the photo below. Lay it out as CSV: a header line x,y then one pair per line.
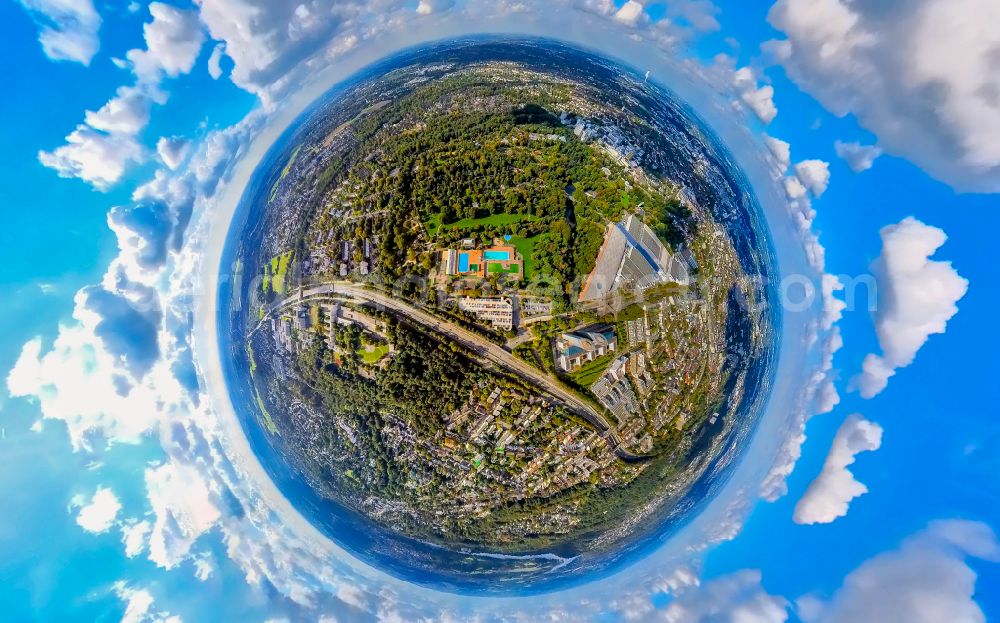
x,y
463,262
501,256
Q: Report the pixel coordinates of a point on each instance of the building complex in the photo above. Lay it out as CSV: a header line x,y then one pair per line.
x,y
575,348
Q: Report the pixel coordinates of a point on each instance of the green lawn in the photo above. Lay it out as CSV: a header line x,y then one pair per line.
x,y
268,422
291,161
492,220
432,224
373,353
591,371
279,270
496,267
526,248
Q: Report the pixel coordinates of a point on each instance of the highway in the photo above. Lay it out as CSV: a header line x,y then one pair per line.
x,y
485,349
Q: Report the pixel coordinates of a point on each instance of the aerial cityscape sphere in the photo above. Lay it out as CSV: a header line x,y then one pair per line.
x,y
497,314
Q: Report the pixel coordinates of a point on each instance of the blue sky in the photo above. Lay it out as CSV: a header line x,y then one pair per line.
x,y
938,457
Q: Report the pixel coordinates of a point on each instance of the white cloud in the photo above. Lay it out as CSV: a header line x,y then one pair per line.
x,y
173,150
102,149
794,188
67,28
630,13
95,157
857,156
215,61
184,509
126,113
833,308
781,151
830,494
700,14
139,606
758,98
818,396
99,514
173,40
134,537
269,40
814,175
80,383
926,580
426,7
917,297
923,80
738,598
203,569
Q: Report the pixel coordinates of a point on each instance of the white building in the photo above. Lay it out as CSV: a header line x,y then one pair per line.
x,y
497,311
576,348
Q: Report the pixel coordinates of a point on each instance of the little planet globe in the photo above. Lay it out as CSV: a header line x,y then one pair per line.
x,y
495,315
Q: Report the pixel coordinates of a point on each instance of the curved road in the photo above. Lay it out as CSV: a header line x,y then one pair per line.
x,y
474,342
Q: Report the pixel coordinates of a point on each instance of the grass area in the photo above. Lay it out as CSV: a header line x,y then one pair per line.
x,y
373,353
284,172
291,161
526,248
492,220
278,271
268,421
496,268
591,371
314,316
253,362
433,224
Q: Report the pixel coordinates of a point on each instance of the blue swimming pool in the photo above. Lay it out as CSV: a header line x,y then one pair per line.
x,y
500,256
463,262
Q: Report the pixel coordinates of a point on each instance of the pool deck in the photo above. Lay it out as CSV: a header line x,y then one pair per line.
x,y
497,259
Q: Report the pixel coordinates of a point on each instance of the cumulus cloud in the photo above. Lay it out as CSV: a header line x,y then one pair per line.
x,y
215,61
173,150
737,597
134,537
80,383
700,14
781,151
917,298
126,113
926,580
426,7
99,514
758,98
857,156
140,606
67,29
814,175
630,13
173,41
203,569
95,157
830,494
127,321
923,80
819,395
184,507
101,149
267,40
